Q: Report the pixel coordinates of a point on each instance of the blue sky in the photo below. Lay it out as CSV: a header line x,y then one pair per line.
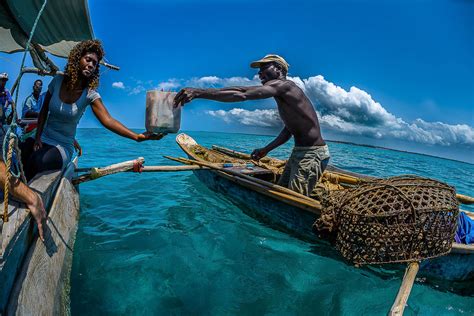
x,y
389,73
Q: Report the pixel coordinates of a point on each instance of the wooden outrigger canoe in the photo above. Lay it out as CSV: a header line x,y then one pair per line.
x,y
34,276
296,215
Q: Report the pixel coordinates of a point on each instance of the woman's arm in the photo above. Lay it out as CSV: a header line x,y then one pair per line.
x,y
115,126
43,115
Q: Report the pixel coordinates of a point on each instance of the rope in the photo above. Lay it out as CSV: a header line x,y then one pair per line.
x,y
10,137
33,29
137,166
7,181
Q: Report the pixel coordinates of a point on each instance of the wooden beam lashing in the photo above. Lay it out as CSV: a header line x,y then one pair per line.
x,y
96,173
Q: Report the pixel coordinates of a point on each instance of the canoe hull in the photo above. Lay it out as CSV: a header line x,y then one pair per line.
x,y
36,274
298,222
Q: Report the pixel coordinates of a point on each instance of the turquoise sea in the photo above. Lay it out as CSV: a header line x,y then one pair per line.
x,y
162,243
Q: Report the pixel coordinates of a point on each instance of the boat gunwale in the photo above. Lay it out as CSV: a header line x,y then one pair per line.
x,y
183,142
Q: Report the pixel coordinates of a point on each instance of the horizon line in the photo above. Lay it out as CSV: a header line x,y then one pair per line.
x,y
328,140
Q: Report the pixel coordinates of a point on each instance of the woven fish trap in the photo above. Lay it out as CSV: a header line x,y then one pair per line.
x,y
399,219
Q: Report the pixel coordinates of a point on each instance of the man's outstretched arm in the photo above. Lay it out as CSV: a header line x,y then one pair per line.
x,y
233,94
282,138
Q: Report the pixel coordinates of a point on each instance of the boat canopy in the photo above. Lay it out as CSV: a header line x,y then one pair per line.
x,y
62,25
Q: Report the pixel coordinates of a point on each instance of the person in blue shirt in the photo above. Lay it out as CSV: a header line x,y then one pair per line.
x,y
6,101
65,102
31,108
32,104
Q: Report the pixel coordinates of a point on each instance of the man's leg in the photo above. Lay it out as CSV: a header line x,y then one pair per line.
x,y
285,176
307,170
32,200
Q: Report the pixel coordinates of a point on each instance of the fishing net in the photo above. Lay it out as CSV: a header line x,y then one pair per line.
x,y
398,219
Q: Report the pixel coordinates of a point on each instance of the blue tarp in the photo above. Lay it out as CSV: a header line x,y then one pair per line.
x,y
465,231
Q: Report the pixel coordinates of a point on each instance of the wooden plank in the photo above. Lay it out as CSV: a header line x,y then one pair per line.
x,y
463,249
18,232
268,185
42,285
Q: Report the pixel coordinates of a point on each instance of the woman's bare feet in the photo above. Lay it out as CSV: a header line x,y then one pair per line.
x,y
37,210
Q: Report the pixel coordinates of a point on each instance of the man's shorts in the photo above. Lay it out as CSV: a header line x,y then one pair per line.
x,y
304,168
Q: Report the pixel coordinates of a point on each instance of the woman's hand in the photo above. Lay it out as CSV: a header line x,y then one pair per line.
x,y
149,136
38,145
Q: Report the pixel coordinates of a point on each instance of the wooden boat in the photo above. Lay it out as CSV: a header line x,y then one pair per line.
x,y
34,275
295,215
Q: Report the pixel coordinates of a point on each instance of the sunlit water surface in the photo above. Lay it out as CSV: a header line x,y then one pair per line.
x,y
163,243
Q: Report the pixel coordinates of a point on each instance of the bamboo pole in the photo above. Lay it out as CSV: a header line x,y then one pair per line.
x,y
312,206
465,199
87,177
170,168
341,178
346,179
253,179
405,288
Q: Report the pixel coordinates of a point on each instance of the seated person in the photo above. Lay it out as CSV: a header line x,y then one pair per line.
x,y
65,102
6,101
32,104
31,108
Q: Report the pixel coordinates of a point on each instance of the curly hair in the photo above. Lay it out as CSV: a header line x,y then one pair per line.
x,y
72,69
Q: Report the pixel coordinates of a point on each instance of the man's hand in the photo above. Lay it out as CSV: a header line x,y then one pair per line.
x,y
78,148
258,154
149,136
184,96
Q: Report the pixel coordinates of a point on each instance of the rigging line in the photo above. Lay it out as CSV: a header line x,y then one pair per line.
x,y
11,132
33,29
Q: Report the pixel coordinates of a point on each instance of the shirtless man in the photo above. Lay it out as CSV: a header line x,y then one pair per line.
x,y
310,155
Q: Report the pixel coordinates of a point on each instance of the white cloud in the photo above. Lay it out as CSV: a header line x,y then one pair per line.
x,y
137,90
353,112
216,82
169,85
261,118
118,85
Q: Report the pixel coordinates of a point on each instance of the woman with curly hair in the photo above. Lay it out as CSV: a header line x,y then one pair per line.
x,y
65,102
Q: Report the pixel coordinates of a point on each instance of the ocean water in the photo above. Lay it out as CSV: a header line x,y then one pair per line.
x,y
163,243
